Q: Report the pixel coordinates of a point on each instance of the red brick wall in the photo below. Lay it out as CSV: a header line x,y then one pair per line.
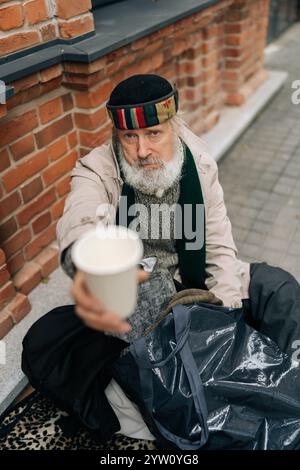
x,y
30,22
58,115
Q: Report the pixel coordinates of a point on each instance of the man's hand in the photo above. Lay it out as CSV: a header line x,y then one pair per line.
x,y
92,311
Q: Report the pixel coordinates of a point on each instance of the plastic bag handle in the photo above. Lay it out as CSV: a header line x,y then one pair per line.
x,y
139,351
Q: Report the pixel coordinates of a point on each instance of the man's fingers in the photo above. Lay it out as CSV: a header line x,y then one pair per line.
x,y
107,321
83,297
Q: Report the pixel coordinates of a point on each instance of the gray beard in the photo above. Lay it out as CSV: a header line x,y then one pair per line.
x,y
155,181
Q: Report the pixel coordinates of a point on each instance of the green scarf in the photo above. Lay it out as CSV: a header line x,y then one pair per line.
x,y
191,262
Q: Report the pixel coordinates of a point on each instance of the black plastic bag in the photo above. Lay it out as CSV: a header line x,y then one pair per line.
x,y
215,384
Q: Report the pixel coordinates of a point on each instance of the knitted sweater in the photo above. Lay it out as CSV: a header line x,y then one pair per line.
x,y
158,233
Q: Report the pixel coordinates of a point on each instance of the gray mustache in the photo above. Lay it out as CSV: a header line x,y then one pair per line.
x,y
150,161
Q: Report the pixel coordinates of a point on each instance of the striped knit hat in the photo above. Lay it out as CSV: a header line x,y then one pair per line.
x,y
142,101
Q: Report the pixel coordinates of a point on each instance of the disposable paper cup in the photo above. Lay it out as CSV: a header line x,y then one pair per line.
x,y
108,258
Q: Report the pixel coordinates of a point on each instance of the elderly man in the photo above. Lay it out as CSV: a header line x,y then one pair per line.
x,y
154,158
147,154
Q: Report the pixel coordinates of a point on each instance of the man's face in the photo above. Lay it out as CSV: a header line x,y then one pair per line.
x,y
148,147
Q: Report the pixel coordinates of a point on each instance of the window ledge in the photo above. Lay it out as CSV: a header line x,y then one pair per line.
x,y
116,25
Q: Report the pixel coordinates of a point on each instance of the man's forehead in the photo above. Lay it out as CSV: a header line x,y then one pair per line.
x,y
158,127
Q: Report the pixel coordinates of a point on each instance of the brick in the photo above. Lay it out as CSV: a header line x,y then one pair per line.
x,y
32,189
236,14
16,242
157,60
48,32
72,139
50,110
63,186
18,127
4,160
53,84
193,68
91,121
118,77
67,102
202,17
6,293
235,39
210,45
235,99
4,275
36,11
83,82
25,170
7,229
140,43
11,17
27,278
143,66
26,95
57,149
16,41
75,7
22,147
76,27
19,307
15,263
93,139
41,222
9,204
53,131
183,23
87,69
59,168
51,73
194,81
37,206
231,75
234,63
211,31
48,260
57,209
151,48
6,323
3,110
26,82
94,98
162,33
40,242
2,257
234,28
233,52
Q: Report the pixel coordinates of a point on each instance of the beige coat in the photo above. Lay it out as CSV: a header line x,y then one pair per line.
x,y
96,179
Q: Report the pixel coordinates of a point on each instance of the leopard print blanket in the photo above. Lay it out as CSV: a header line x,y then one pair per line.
x,y
36,423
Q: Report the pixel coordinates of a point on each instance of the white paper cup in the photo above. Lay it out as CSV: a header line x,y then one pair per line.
x,y
108,258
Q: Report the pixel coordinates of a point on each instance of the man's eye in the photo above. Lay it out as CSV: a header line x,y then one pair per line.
x,y
154,133
130,136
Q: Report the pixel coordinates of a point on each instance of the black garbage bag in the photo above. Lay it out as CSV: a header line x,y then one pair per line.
x,y
70,363
203,378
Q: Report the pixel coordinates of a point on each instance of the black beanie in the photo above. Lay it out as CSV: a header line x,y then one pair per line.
x,y
142,101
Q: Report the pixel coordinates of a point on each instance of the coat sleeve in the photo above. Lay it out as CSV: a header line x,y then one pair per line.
x,y
82,207
224,271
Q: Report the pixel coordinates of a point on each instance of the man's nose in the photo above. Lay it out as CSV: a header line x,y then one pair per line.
x,y
143,149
